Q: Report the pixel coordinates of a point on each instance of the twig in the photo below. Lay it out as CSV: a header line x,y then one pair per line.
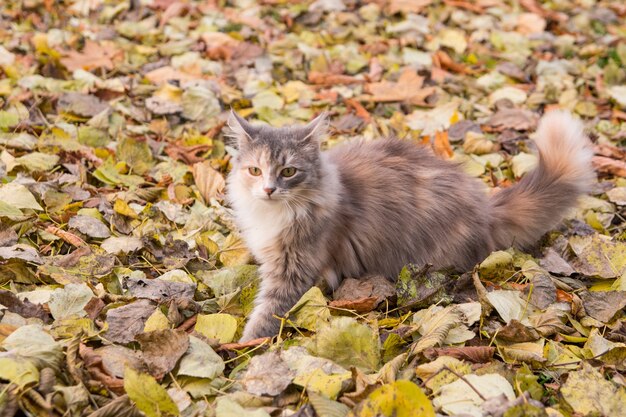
x,y
583,359
458,375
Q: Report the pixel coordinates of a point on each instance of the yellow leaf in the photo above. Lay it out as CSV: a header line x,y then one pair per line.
x,y
157,321
148,395
217,326
400,399
121,207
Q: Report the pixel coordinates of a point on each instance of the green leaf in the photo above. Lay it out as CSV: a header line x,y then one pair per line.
x,y
229,408
18,196
267,99
598,256
217,326
7,210
19,371
310,310
148,395
399,399
200,360
525,380
498,265
70,301
37,161
31,341
348,342
136,154
327,408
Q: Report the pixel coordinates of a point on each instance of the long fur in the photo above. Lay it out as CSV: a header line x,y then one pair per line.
x,y
370,208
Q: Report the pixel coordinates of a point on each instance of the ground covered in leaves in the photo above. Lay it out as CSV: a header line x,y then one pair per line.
x,y
124,284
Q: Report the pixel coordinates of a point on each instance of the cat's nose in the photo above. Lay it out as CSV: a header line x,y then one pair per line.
x,y
269,190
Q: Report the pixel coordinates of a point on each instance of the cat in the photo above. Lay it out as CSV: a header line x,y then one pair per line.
x,y
365,208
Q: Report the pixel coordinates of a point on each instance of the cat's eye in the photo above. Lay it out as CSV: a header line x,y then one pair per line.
x,y
288,172
254,171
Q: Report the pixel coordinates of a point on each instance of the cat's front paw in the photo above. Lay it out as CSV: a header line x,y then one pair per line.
x,y
257,328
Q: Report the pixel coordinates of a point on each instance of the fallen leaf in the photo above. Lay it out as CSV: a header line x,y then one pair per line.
x,y
127,321
70,301
409,88
348,343
159,289
588,393
200,360
399,399
267,374
603,305
217,326
90,226
209,181
518,119
162,349
148,395
460,397
94,55
310,312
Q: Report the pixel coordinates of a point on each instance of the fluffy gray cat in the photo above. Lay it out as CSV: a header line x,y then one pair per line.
x,y
372,207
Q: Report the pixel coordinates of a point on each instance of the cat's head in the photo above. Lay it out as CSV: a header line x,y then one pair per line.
x,y
277,164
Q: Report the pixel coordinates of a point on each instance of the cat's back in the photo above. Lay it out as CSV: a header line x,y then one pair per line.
x,y
401,203
382,160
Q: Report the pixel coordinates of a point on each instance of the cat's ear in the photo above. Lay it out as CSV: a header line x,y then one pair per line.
x,y
316,129
240,129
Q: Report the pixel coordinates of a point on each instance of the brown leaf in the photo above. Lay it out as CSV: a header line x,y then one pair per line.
x,y
358,289
93,56
187,154
267,374
603,305
70,238
516,332
24,308
442,60
209,181
162,349
93,365
127,321
94,307
361,305
409,88
85,105
477,354
542,291
518,119
174,9
610,166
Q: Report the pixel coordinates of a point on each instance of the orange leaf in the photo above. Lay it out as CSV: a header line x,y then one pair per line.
x,y
329,78
361,305
93,56
409,88
441,145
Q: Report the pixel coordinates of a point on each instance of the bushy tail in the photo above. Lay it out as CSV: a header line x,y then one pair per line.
x,y
521,214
